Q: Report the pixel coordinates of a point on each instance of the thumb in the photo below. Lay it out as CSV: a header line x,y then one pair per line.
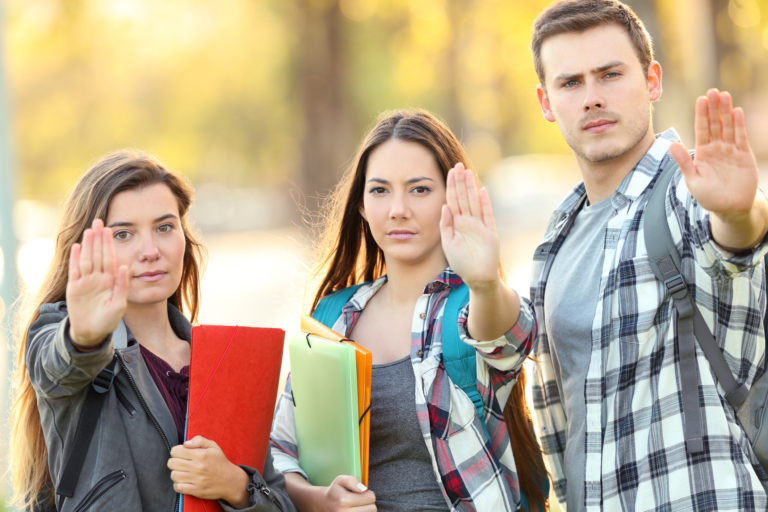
x,y
683,159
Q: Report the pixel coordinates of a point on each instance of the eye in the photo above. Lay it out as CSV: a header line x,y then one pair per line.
x,y
165,228
612,74
376,190
122,235
421,190
570,83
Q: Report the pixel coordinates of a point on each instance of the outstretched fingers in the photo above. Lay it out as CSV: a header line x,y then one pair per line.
x,y
713,115
74,263
740,136
726,117
486,208
98,246
462,195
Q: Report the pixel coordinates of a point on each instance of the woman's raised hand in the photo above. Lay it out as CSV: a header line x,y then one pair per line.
x,y
97,291
468,230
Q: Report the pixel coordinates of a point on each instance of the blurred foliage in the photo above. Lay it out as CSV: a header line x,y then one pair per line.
x,y
277,93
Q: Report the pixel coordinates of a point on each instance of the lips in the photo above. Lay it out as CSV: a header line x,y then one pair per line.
x,y
400,234
151,276
598,125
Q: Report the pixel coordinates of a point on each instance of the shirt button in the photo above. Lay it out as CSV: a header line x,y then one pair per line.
x,y
127,358
422,315
420,353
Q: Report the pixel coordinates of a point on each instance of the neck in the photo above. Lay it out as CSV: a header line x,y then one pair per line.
x,y
406,283
150,325
602,178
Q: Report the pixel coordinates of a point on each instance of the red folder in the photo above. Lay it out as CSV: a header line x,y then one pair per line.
x,y
233,377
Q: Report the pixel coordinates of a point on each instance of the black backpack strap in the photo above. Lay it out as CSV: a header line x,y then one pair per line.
x,y
665,262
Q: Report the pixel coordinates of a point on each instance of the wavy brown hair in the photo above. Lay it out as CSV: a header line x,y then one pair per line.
x,y
90,199
350,255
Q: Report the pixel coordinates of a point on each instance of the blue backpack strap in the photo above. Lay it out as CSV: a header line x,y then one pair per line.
x,y
459,357
329,308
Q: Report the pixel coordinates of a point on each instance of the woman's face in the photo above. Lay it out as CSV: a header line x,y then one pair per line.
x,y
402,201
149,240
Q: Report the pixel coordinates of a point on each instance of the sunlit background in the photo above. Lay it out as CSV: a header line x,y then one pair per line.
x,y
261,104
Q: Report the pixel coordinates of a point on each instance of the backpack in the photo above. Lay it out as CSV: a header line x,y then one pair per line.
x,y
749,404
458,357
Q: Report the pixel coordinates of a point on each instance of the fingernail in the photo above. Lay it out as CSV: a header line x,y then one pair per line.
x,y
361,487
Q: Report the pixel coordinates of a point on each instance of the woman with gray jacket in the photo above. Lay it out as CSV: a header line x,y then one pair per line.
x,y
126,265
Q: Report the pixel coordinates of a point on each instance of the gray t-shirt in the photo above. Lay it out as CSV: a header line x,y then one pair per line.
x,y
400,468
570,302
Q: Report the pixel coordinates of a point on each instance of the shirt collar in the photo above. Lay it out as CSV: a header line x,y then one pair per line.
x,y
446,279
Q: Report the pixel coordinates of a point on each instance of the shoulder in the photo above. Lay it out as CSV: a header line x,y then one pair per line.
x,y
49,313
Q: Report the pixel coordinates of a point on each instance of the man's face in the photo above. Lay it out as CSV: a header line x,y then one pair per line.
x,y
597,92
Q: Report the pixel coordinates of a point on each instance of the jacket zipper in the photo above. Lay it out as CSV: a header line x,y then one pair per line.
x,y
124,400
263,489
101,487
151,416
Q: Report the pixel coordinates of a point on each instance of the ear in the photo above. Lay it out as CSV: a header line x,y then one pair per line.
x,y
654,80
362,213
546,110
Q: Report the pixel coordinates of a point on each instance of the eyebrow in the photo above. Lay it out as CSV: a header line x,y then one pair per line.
x,y
128,224
595,71
409,181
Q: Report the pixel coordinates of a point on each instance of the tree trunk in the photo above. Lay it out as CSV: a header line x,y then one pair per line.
x,y
327,144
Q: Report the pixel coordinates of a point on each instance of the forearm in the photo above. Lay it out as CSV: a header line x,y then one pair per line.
x,y
737,232
493,310
306,497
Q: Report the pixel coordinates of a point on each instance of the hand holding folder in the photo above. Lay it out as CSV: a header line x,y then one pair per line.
x,y
233,378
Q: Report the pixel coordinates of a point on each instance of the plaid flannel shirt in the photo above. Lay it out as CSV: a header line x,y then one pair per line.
x,y
475,472
635,451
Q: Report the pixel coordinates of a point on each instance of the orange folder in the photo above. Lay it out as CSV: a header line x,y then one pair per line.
x,y
364,365
233,377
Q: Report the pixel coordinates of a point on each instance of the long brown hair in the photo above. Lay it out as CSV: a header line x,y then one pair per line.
x,y
90,199
349,255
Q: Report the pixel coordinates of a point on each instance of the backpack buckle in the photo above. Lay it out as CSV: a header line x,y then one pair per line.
x,y
675,284
103,380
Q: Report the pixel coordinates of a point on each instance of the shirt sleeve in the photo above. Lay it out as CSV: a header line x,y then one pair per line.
x,y
507,352
690,226
282,441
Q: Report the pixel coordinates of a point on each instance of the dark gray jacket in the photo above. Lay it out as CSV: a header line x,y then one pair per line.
x,y
125,466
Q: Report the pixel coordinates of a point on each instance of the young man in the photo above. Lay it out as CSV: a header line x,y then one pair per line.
x,y
608,392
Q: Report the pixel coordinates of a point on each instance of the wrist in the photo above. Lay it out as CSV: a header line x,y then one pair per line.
x,y
238,495
85,345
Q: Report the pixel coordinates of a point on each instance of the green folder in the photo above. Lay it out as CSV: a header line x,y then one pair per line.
x,y
324,384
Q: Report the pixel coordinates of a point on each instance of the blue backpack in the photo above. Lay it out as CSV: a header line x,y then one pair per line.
x,y
458,357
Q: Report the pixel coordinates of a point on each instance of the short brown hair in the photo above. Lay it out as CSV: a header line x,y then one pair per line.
x,y
581,15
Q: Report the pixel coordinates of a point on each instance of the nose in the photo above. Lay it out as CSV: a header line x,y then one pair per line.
x,y
593,98
399,206
149,251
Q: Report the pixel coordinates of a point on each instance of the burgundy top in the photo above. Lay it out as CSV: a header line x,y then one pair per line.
x,y
173,386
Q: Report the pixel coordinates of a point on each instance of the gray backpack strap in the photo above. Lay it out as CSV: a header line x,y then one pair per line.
x,y
665,262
